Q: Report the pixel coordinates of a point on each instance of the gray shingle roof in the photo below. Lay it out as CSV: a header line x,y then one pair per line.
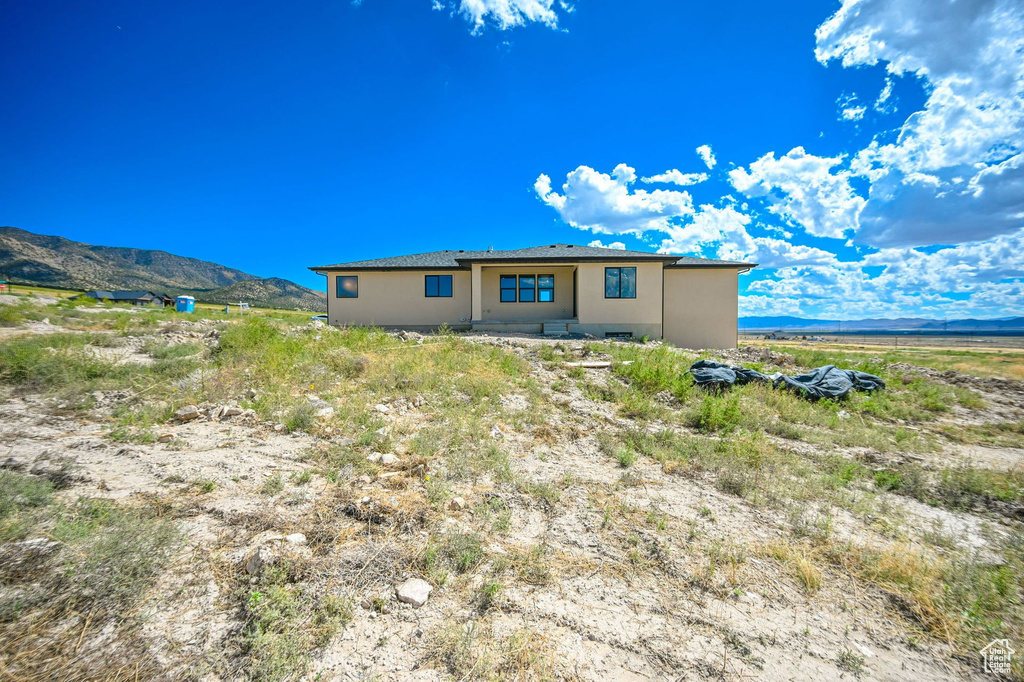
x,y
570,252
450,260
431,260
691,262
120,295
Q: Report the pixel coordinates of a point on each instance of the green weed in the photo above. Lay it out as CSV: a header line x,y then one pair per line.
x,y
273,485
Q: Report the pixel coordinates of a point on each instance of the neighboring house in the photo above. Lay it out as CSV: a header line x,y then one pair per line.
x,y
554,289
140,298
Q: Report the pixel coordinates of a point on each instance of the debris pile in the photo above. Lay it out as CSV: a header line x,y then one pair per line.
x,y
827,381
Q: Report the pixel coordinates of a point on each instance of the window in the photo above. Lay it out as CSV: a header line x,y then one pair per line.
x,y
508,289
527,288
545,288
348,287
438,286
620,282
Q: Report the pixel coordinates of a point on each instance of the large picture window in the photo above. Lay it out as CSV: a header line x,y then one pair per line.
x,y
438,286
620,282
348,287
527,288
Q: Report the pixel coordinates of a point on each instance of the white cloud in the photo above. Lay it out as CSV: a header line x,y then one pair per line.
x,y
853,113
970,55
802,188
675,177
850,108
706,155
884,104
722,232
910,210
506,14
604,203
978,279
614,245
956,268
724,228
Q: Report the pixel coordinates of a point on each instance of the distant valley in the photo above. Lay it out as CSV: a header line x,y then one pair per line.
x,y
905,324
50,261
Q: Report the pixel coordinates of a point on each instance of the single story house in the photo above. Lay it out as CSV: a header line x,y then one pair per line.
x,y
140,298
554,289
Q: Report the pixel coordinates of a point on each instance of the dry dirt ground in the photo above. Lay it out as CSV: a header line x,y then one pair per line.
x,y
713,609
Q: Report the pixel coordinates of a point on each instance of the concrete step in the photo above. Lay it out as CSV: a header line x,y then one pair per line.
x,y
555,329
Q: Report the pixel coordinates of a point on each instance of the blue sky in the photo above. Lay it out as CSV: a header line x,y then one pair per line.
x,y
869,154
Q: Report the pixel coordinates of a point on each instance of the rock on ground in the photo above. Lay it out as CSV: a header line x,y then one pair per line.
x,y
414,591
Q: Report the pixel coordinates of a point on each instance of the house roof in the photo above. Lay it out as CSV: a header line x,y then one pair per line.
x,y
692,262
121,295
452,260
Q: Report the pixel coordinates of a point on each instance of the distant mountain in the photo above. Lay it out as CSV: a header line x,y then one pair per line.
x,y
57,262
794,324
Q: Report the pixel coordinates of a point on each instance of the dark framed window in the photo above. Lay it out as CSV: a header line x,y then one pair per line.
x,y
620,282
508,289
527,288
348,286
438,286
545,288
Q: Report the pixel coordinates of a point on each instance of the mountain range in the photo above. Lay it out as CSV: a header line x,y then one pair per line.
x,y
41,260
794,324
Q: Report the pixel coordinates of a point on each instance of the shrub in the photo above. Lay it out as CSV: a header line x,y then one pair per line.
x,y
19,496
120,550
286,621
454,550
11,316
888,480
301,417
272,486
626,457
716,413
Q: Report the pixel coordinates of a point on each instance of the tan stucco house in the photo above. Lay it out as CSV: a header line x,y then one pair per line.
x,y
555,289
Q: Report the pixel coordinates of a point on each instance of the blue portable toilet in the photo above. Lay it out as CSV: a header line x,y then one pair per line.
x,y
185,304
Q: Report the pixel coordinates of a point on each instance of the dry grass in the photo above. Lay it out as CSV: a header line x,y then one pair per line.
x,y
1007,362
957,598
478,651
800,558
72,615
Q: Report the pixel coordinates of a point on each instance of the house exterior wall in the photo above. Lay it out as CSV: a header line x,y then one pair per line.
x,y
493,309
599,315
689,307
701,307
397,299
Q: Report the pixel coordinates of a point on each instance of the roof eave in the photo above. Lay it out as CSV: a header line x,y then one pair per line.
x,y
379,268
735,266
571,259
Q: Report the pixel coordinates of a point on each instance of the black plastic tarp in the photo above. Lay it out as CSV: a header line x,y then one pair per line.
x,y
823,382
708,373
829,382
